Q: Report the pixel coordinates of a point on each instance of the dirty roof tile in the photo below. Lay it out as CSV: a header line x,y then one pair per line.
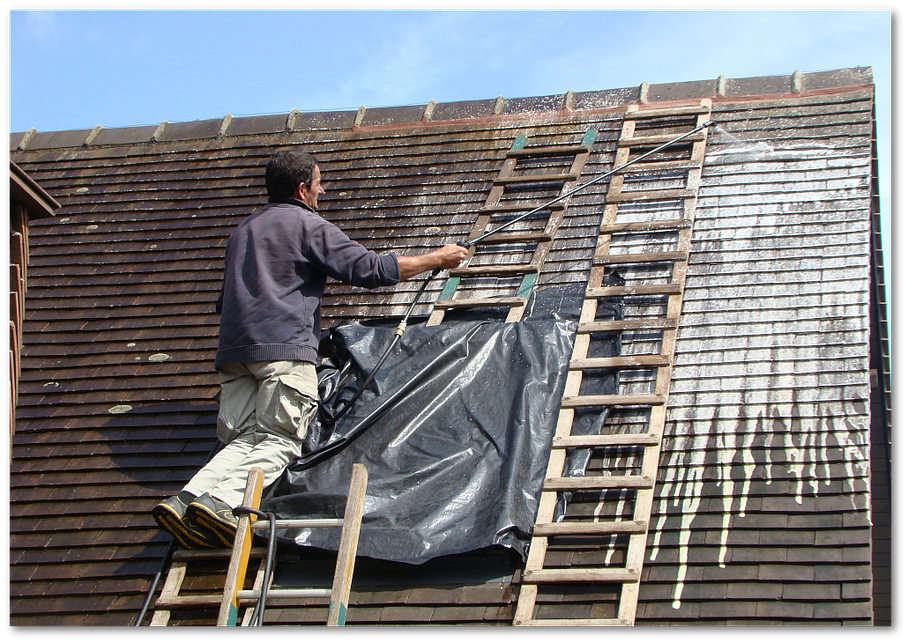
x,y
129,269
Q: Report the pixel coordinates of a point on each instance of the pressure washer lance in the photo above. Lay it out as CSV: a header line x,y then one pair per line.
x,y
472,242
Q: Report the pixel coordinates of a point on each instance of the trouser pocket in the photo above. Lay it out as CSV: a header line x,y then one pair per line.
x,y
293,405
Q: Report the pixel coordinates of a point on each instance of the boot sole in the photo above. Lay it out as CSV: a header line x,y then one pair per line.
x,y
204,517
170,521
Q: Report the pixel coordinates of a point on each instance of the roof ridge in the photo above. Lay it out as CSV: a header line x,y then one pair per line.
x,y
797,83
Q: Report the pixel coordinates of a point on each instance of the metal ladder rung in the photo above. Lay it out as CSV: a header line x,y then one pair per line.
x,y
172,603
311,523
277,592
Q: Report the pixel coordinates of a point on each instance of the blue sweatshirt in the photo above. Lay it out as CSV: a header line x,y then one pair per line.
x,y
275,269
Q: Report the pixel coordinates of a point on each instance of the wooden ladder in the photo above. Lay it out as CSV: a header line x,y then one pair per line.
x,y
652,200
516,175
234,595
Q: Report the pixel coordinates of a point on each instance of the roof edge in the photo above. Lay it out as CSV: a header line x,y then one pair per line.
x,y
795,84
26,190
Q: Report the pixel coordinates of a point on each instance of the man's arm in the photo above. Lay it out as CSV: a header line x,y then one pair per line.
x,y
446,257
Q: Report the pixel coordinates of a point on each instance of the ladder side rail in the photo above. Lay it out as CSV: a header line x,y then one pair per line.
x,y
239,559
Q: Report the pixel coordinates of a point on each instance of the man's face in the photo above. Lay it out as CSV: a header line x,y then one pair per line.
x,y
310,195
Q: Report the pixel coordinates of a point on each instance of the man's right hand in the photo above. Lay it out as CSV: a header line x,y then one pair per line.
x,y
444,258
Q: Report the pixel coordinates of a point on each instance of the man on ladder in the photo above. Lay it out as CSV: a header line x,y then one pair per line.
x,y
276,265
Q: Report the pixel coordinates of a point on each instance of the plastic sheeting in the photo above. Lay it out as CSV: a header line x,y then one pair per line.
x,y
455,432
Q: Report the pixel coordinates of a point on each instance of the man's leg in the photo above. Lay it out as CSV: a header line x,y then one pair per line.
x,y
236,428
287,401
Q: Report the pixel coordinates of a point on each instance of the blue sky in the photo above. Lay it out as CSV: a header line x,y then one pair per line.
x,y
79,69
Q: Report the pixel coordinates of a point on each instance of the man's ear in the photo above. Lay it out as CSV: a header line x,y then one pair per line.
x,y
300,191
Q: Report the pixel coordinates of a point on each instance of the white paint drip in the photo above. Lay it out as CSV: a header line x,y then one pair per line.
x,y
855,455
806,455
726,442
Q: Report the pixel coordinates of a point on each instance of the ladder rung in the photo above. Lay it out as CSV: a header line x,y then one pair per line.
x,y
665,112
535,178
186,602
639,141
573,622
611,440
513,302
552,150
213,554
518,207
612,400
579,576
569,483
311,523
494,271
276,592
644,257
627,324
651,195
515,237
644,226
629,291
646,165
621,361
590,528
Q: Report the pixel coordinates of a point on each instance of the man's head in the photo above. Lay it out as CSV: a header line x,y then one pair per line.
x,y
294,175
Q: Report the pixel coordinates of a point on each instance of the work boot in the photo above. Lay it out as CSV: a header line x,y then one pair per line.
x,y
207,512
171,517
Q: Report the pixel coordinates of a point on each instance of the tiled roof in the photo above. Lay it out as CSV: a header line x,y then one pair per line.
x,y
761,514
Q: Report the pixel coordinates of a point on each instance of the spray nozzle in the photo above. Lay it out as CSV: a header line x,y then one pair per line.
x,y
709,124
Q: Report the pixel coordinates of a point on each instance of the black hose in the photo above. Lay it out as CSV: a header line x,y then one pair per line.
x,y
154,583
258,614
397,335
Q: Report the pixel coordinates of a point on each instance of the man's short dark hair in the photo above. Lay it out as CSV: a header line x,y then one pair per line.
x,y
286,170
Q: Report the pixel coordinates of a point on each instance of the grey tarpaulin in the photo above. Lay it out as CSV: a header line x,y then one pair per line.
x,y
457,429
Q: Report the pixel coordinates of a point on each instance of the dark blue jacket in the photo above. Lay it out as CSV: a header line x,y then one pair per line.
x,y
275,269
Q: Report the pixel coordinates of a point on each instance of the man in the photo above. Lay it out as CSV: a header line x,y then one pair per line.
x,y
276,265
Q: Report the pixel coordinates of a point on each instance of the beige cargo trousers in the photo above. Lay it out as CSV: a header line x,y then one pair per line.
x,y
265,410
